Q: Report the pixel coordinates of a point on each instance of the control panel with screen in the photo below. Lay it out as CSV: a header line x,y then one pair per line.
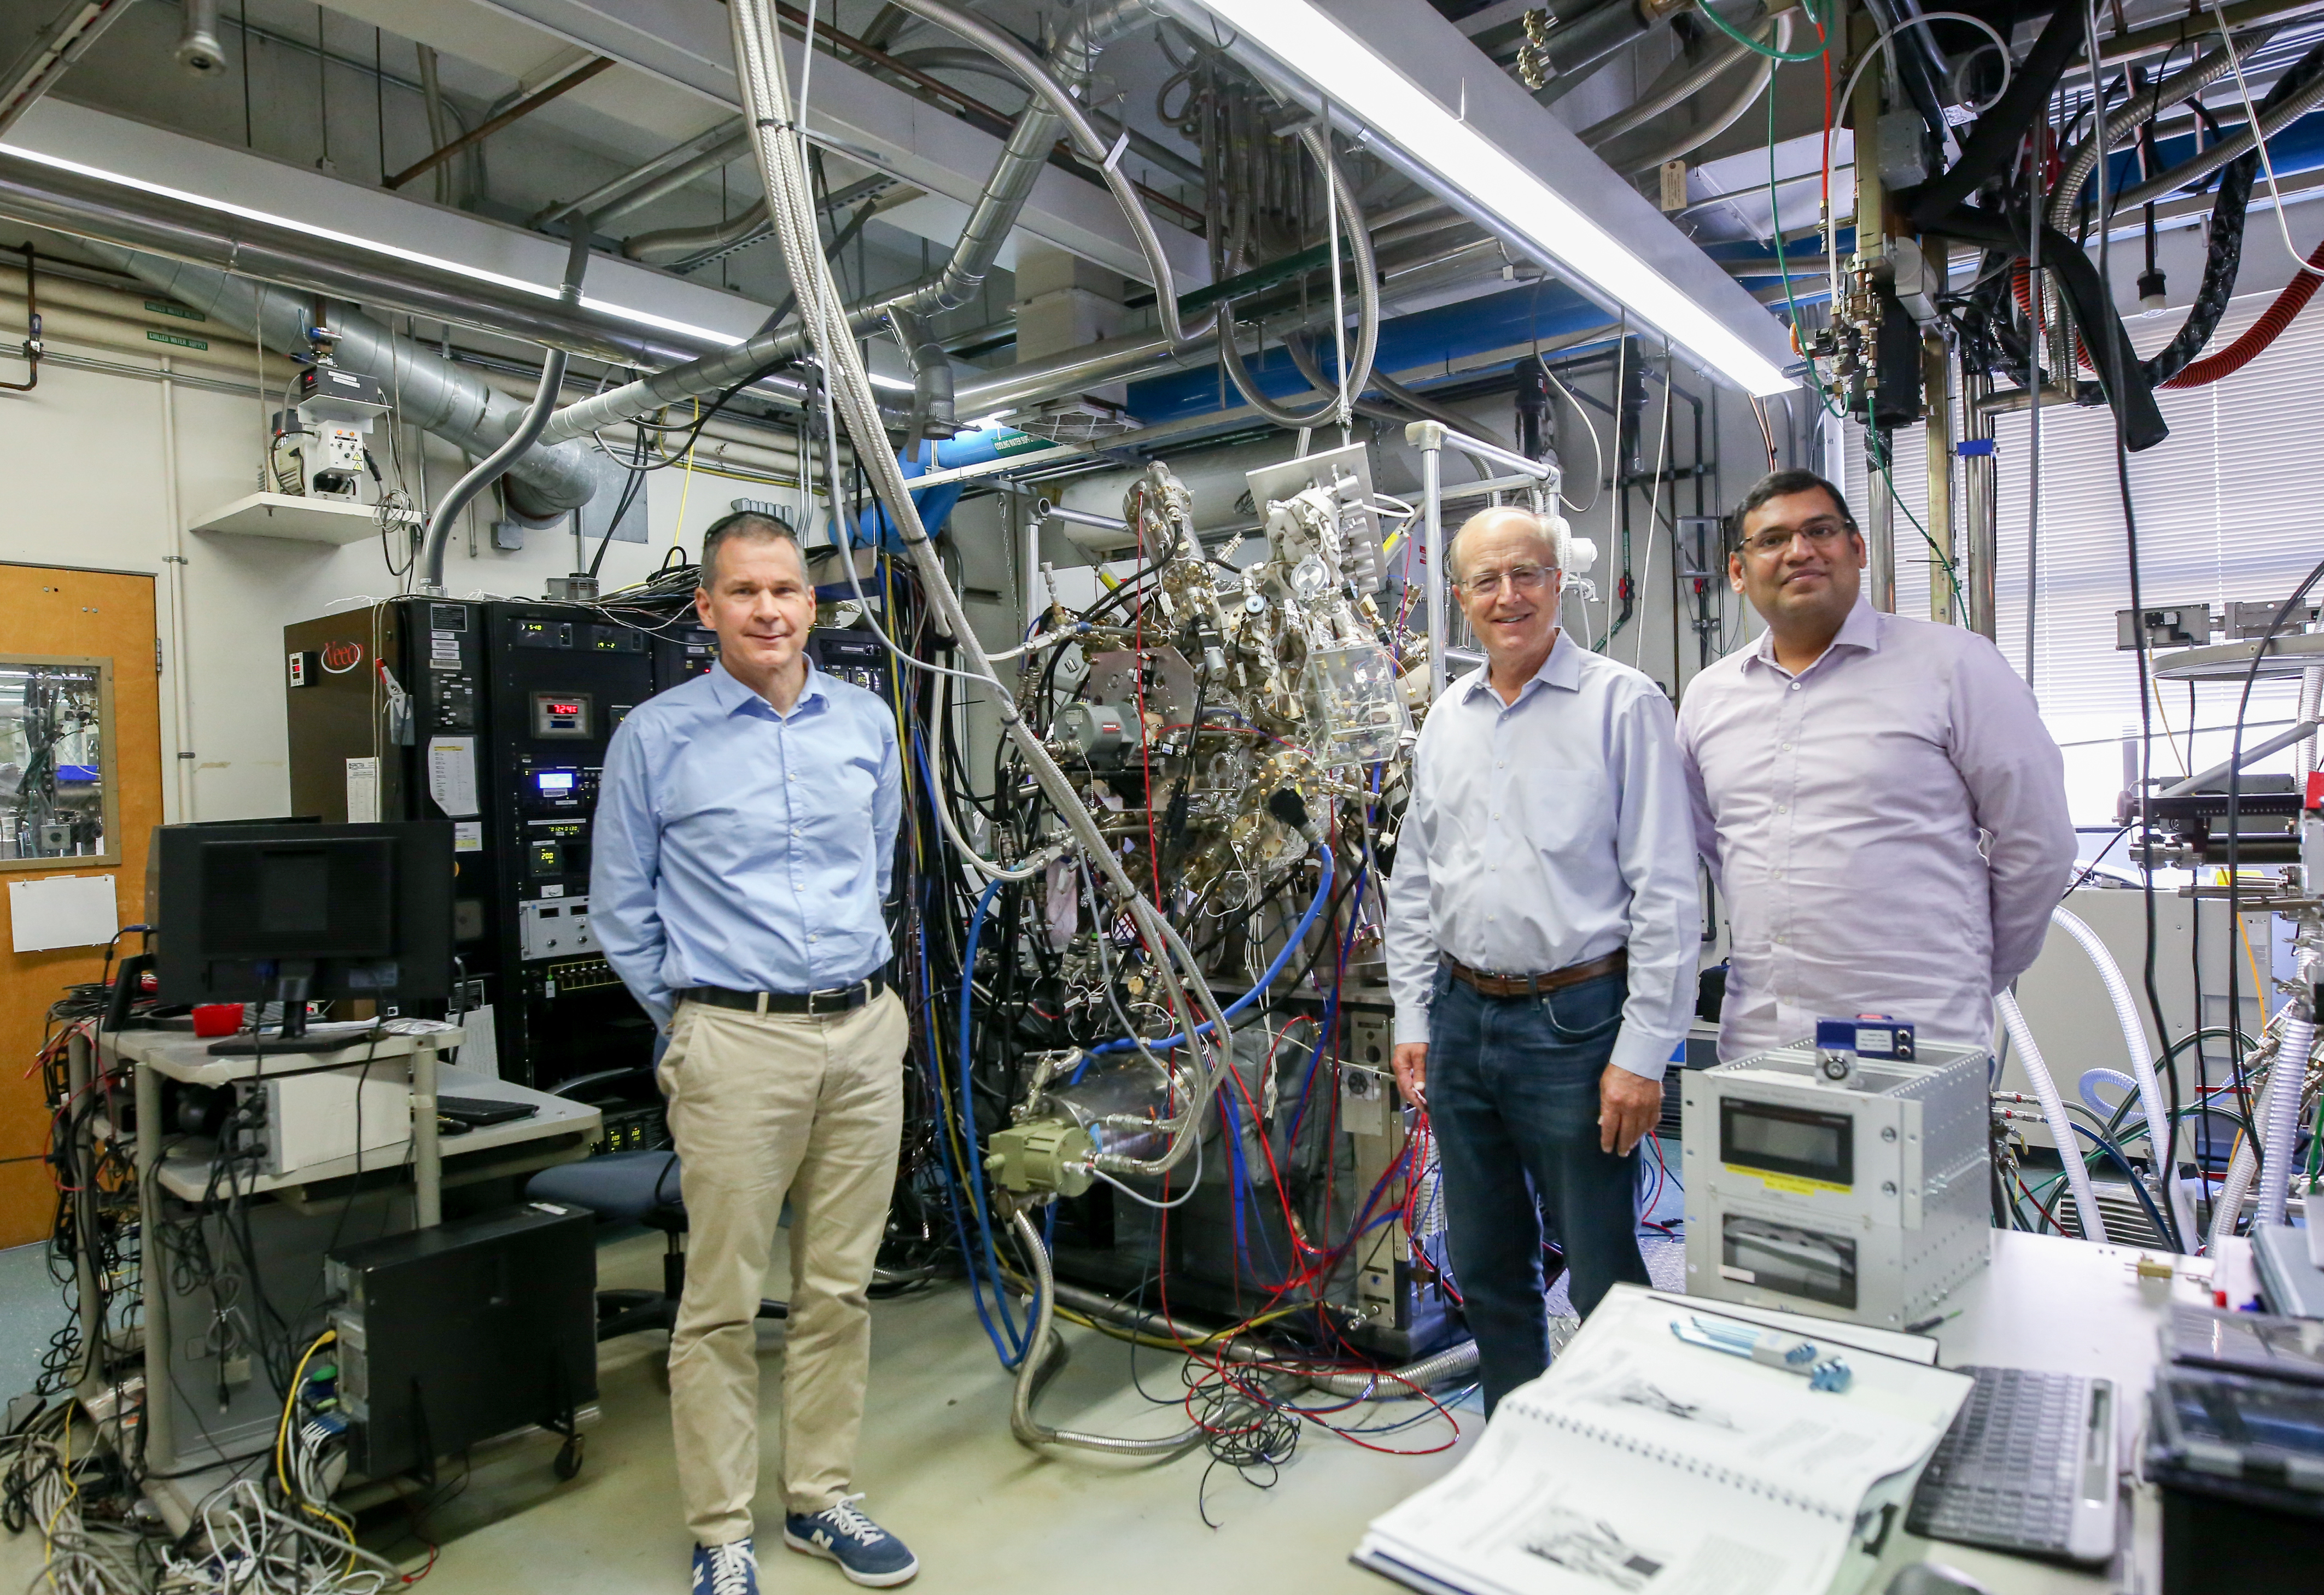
x,y
1781,1140
561,715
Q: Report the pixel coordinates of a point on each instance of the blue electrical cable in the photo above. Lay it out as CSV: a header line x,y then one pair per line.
x,y
1291,945
973,1175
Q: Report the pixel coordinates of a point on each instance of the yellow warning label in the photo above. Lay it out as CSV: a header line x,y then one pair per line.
x,y
1790,1184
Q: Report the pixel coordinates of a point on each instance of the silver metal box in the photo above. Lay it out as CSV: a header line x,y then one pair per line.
x,y
1868,1200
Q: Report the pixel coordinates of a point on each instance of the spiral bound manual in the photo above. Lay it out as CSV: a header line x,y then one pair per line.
x,y
1749,1483
1642,1461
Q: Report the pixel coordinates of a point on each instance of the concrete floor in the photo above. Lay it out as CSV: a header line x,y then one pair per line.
x,y
938,1465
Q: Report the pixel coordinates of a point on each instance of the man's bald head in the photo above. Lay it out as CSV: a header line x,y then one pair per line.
x,y
1508,519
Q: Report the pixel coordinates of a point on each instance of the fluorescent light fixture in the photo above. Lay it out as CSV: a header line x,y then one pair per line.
x,y
1370,89
893,385
544,292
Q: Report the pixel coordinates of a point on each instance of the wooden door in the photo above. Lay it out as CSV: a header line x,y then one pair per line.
x,y
74,614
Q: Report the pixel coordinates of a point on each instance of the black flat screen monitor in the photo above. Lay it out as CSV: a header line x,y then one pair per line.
x,y
247,913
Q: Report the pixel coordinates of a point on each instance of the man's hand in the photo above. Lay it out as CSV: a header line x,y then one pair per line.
x,y
1628,1105
1411,1063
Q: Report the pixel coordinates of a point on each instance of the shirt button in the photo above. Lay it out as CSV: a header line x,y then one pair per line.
x,y
795,828
1795,686
793,778
1786,747
1780,808
814,938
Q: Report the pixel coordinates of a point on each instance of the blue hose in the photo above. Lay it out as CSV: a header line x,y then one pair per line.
x,y
973,1176
1291,945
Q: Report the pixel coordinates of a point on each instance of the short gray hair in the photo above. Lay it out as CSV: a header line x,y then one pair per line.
x,y
1538,525
750,526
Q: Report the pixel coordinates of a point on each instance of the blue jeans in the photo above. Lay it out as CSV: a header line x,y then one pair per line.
x,y
1513,1100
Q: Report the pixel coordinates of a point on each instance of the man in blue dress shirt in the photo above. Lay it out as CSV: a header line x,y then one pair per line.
x,y
745,833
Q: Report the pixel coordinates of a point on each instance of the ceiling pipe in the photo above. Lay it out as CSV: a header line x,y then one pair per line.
x,y
1030,140
37,193
444,400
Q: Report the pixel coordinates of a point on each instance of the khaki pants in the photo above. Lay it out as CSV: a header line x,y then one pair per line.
x,y
761,1107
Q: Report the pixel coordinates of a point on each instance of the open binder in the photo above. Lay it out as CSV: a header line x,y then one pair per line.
x,y
1644,1464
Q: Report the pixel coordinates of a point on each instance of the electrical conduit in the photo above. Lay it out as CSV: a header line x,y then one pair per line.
x,y
2287,1085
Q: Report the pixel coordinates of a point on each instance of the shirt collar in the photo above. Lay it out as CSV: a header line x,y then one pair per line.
x,y
1859,631
731,694
1562,668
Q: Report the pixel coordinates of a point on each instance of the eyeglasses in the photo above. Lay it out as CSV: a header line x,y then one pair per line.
x,y
1776,540
1525,579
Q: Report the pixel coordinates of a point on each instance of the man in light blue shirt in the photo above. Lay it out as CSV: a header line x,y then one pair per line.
x,y
1542,931
744,838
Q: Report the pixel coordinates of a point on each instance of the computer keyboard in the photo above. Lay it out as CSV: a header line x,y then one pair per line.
x,y
2027,1466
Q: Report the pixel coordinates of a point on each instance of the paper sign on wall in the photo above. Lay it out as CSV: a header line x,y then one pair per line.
x,y
62,911
467,836
452,774
363,792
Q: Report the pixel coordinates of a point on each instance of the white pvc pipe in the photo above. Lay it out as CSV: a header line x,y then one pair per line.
x,y
2287,1084
2053,1112
2142,1064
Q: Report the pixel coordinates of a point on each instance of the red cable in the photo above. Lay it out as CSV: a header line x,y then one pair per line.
x,y
2258,336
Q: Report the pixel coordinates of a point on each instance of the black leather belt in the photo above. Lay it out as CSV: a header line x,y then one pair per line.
x,y
837,1000
1534,985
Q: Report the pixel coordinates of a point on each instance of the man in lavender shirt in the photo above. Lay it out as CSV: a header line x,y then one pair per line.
x,y
1878,798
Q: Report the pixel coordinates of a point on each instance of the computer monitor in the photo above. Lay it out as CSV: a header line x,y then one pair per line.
x,y
292,912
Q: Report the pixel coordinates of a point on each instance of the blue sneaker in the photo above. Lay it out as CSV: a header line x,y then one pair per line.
x,y
725,1569
866,1552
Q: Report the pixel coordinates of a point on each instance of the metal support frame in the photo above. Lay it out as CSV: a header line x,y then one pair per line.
x,y
1937,431
1980,505
1431,438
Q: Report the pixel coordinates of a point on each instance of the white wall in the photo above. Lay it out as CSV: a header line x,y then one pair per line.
x,y
90,483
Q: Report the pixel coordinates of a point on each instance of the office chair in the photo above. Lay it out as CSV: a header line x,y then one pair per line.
x,y
642,1187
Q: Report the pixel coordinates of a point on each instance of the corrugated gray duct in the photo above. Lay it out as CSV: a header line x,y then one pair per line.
x,y
431,393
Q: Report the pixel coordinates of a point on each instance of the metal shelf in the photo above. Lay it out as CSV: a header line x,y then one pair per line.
x,y
300,520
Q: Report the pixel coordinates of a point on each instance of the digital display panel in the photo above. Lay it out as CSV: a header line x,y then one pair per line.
x,y
1797,1141
555,783
562,715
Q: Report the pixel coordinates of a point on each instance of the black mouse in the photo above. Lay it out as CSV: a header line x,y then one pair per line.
x,y
1934,1578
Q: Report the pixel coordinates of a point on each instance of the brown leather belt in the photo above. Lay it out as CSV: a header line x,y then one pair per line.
x,y
1534,985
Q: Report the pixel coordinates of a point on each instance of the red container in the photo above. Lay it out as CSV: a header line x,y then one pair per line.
x,y
217,1019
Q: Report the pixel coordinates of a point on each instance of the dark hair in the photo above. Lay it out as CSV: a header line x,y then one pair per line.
x,y
1777,484
752,526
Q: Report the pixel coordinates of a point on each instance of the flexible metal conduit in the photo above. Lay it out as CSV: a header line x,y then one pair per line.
x,y
2301,101
760,66
2142,1063
1454,1362
1013,176
2279,1126
2204,72
2227,1206
2053,1114
1038,1363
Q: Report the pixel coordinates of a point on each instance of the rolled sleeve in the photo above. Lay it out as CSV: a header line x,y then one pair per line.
x,y
1656,843
2016,782
624,871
